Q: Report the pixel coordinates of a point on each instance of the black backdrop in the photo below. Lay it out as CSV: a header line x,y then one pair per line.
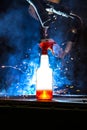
x,y
11,39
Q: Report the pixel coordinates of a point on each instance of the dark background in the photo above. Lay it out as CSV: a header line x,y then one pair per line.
x,y
19,33
17,29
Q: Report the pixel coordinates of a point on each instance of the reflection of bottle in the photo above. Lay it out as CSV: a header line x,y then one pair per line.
x,y
44,80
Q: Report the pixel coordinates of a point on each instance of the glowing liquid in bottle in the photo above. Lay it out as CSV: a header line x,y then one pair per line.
x,y
44,94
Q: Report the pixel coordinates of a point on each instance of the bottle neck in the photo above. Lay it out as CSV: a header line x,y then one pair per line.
x,y
44,61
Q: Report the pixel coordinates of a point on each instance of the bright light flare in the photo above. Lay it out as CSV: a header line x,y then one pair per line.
x,y
44,79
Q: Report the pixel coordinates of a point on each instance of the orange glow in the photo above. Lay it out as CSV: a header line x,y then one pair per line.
x,y
44,94
54,1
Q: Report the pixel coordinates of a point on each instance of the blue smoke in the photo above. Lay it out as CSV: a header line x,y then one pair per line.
x,y
20,62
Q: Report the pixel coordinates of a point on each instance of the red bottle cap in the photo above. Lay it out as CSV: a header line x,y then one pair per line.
x,y
46,44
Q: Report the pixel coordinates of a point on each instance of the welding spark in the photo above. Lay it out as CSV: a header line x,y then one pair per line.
x,y
13,67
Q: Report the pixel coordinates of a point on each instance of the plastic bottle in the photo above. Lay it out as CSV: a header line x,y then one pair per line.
x,y
44,90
